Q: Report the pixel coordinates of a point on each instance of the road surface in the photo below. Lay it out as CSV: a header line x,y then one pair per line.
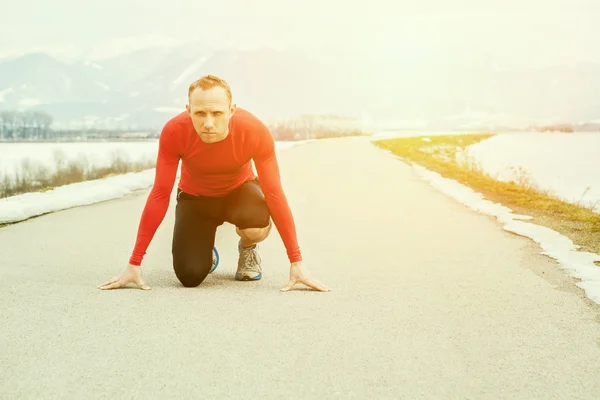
x,y
430,300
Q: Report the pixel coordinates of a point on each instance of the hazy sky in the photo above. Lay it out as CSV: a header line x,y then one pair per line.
x,y
535,32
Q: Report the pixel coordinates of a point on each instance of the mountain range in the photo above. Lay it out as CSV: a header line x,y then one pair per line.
x,y
144,88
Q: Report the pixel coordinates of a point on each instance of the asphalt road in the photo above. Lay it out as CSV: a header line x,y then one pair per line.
x,y
430,300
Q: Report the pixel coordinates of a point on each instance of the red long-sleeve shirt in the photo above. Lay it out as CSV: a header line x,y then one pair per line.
x,y
215,170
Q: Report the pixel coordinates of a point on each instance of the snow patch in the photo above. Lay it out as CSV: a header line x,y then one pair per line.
x,y
577,264
566,165
21,207
29,102
102,85
191,69
121,117
92,64
4,92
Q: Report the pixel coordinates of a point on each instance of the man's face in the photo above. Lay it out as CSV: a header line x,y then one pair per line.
x,y
210,111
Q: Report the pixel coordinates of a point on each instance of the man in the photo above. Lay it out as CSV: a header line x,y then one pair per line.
x,y
216,142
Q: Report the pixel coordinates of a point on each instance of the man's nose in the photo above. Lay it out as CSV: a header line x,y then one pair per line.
x,y
209,123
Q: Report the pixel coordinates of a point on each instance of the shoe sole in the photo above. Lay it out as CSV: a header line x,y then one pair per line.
x,y
247,278
217,262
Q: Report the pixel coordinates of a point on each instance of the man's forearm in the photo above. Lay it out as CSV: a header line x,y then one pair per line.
x,y
154,212
284,222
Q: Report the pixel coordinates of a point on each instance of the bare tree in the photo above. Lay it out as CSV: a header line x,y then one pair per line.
x,y
28,125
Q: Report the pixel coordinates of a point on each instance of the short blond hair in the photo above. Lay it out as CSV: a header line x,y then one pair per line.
x,y
209,82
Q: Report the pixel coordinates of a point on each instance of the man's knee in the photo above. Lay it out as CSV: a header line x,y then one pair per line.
x,y
190,274
190,279
255,234
253,219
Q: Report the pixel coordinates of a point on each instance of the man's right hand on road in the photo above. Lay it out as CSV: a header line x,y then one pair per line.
x,y
132,274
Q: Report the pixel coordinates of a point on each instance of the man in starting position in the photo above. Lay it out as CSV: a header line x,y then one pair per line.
x,y
216,142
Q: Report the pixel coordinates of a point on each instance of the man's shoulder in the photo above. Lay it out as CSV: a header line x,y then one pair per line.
x,y
248,124
245,118
181,121
253,133
175,130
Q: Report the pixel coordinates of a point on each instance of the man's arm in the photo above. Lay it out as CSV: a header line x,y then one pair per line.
x,y
157,203
267,168
270,181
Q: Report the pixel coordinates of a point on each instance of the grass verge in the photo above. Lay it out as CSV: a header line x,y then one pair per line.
x,y
444,155
34,176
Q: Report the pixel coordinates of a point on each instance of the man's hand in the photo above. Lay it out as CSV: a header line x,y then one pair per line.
x,y
301,275
132,274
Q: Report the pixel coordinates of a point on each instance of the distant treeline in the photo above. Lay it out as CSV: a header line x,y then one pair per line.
x,y
315,127
36,126
25,125
569,128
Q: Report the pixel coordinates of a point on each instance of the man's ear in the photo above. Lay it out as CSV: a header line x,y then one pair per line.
x,y
187,107
232,109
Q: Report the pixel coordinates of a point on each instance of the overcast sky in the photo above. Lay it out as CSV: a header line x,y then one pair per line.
x,y
530,31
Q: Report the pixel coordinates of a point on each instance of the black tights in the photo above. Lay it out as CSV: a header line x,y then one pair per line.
x,y
196,222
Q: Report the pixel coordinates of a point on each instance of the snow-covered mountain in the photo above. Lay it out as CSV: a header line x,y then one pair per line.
x,y
144,88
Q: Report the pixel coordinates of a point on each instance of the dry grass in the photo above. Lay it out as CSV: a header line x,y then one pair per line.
x,y
34,176
444,155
